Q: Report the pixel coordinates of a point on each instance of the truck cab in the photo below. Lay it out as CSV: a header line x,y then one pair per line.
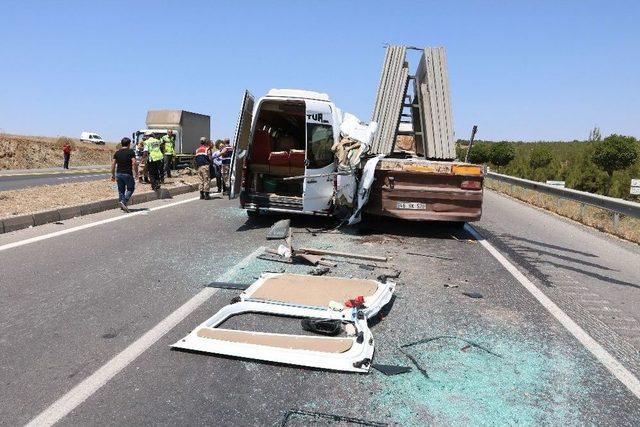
x,y
282,161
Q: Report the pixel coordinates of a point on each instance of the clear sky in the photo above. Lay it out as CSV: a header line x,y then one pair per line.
x,y
520,70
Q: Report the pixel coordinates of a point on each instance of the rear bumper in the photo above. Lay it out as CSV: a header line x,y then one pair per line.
x,y
442,197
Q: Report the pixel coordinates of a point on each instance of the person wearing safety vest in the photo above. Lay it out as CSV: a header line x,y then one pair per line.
x,y
169,143
203,161
154,159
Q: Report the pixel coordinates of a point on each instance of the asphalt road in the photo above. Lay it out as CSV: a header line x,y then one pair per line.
x,y
23,179
75,303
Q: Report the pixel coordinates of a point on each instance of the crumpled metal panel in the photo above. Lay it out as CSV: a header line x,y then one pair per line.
x,y
389,99
432,93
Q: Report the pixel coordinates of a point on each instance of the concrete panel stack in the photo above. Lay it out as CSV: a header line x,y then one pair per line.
x,y
433,111
390,98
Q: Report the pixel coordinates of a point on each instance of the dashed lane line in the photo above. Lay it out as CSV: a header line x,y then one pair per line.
x,y
99,378
91,224
604,357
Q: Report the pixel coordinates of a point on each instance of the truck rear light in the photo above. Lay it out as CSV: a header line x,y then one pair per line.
x,y
466,170
471,185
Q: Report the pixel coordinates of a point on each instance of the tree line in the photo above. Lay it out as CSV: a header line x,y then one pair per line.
x,y
597,165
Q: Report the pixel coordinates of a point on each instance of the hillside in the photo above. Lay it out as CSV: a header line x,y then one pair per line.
x,y
33,152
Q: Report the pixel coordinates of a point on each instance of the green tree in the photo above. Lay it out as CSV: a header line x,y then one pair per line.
x,y
615,152
480,153
502,153
595,135
540,157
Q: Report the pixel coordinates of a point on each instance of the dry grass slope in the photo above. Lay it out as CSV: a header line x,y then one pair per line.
x,y
33,152
628,228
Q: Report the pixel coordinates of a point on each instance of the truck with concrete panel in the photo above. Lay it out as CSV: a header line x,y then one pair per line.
x,y
188,128
283,159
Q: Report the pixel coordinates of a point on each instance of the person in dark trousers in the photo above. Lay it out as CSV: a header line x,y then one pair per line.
x,y
154,159
123,167
143,174
218,159
203,164
169,143
66,152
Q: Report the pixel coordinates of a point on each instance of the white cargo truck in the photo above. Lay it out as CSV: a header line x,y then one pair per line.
x,y
188,128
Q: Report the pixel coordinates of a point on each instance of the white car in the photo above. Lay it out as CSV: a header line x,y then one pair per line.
x,y
91,137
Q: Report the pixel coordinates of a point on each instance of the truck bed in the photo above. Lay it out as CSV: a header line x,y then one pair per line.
x,y
425,190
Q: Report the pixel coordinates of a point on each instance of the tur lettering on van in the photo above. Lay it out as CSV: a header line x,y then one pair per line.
x,y
317,118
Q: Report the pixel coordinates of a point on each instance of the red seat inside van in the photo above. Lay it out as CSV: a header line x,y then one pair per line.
x,y
296,162
279,163
262,147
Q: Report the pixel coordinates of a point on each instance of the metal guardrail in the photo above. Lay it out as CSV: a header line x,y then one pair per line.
x,y
619,206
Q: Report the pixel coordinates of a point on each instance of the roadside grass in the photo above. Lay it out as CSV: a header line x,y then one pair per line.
x,y
627,228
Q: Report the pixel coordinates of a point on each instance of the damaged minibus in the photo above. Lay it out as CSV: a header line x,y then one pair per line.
x,y
283,159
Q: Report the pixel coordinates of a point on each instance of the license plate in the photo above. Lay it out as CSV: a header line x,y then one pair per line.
x,y
411,205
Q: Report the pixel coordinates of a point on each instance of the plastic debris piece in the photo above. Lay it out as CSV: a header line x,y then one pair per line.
x,y
284,251
330,327
356,302
391,369
319,271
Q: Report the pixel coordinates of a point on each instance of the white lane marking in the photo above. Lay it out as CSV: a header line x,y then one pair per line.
x,y
90,225
603,356
81,392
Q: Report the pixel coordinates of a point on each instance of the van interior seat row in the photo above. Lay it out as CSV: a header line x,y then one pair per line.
x,y
280,163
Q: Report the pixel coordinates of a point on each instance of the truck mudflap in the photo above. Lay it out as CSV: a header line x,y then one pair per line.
x,y
412,194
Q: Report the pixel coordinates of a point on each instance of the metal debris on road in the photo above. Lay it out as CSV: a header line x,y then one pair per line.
x,y
227,285
472,294
315,251
279,230
316,417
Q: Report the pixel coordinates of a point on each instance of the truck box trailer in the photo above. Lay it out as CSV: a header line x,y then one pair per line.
x,y
188,128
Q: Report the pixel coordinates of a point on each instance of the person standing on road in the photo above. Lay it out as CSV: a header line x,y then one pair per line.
x,y
123,167
154,159
203,161
143,175
227,152
66,152
169,143
219,157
